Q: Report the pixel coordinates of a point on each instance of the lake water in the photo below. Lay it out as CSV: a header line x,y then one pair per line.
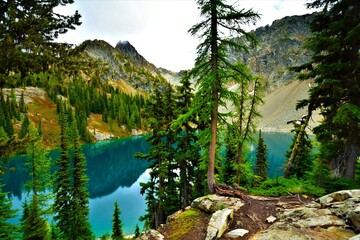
x,y
114,175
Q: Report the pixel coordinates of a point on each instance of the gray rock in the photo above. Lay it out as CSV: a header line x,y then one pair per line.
x,y
219,222
271,219
151,235
236,233
354,217
339,196
213,203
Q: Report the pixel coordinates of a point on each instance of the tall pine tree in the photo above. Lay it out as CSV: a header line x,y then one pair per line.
x,y
80,225
34,224
62,181
211,65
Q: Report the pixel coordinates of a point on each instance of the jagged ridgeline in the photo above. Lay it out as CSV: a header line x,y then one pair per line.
x,y
123,65
281,46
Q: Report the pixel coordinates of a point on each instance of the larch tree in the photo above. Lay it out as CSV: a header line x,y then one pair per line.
x,y
211,67
335,68
250,91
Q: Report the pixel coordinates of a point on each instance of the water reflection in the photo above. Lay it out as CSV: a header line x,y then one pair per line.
x,y
114,175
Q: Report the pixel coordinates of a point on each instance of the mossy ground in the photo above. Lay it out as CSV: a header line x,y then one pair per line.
x,y
190,224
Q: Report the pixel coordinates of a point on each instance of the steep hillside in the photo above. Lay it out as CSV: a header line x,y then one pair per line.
x,y
281,45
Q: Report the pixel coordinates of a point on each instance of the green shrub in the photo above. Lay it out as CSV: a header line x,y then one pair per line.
x,y
334,184
282,187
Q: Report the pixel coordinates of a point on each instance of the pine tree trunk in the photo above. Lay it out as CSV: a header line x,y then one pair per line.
x,y
345,163
352,158
215,96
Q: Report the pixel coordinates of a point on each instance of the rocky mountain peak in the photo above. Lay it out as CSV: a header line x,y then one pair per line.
x,y
130,52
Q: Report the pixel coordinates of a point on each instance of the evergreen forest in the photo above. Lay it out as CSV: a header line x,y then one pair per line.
x,y
195,145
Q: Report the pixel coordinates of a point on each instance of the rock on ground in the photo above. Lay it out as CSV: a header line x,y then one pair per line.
x,y
212,203
236,233
219,222
151,235
331,219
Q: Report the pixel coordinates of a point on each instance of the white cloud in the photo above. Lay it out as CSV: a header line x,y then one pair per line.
x,y
158,28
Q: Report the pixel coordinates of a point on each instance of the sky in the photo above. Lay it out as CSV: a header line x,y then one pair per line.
x,y
158,29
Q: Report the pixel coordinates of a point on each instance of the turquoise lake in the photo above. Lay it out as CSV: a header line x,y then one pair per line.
x,y
114,175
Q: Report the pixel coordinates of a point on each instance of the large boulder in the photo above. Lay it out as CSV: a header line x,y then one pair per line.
x,y
219,222
213,203
151,235
344,204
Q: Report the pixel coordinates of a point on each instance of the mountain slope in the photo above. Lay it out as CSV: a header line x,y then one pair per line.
x,y
281,45
117,67
279,107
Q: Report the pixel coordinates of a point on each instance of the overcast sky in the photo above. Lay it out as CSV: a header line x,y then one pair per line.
x,y
158,28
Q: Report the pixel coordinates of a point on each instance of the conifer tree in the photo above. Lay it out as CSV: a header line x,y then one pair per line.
x,y
211,65
40,131
62,182
34,224
160,188
246,113
8,231
27,35
117,233
137,231
187,151
335,69
24,126
80,225
228,169
22,105
261,164
71,194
